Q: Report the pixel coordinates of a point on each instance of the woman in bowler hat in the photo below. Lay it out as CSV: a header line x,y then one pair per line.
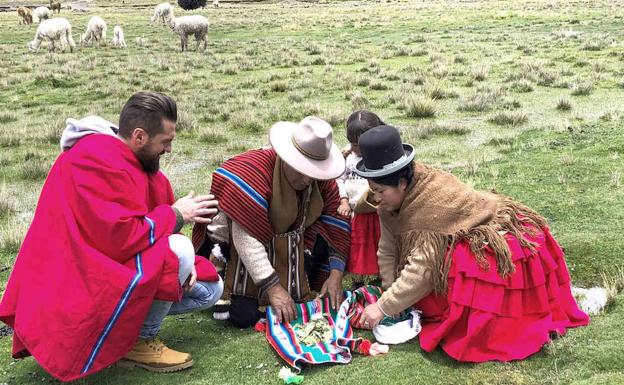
x,y
489,278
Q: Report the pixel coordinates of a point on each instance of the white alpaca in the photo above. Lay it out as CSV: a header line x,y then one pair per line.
x,y
162,12
53,30
118,37
41,13
186,26
96,30
215,3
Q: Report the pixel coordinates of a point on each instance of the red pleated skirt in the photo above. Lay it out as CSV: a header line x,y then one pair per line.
x,y
484,317
365,233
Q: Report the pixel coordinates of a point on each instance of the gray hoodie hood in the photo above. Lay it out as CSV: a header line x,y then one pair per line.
x,y
77,129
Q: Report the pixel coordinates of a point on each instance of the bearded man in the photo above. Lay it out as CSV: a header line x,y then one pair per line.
x,y
102,263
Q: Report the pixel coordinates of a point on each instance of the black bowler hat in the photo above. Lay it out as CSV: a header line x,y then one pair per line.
x,y
383,153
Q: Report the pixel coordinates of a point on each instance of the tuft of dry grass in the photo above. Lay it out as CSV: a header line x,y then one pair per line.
x,y
210,135
582,88
358,100
439,90
522,85
428,130
417,106
12,234
7,204
8,117
509,118
613,283
564,105
483,100
187,121
479,73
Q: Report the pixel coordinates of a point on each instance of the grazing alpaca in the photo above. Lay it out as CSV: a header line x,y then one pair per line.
x,y
55,5
190,25
25,15
41,13
96,30
118,37
162,12
53,30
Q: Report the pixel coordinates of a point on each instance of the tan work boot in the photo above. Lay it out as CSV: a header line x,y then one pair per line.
x,y
154,356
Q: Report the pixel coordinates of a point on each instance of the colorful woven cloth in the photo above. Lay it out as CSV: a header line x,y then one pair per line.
x,y
361,297
338,349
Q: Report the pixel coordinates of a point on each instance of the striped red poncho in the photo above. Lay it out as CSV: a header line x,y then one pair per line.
x,y
243,187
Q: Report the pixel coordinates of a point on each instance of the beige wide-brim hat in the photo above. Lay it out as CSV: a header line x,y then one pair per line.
x,y
308,147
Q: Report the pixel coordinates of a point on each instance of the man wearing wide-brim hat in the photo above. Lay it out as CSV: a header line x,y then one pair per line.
x,y
275,203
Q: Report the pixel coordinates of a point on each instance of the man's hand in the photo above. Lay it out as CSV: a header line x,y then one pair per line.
x,y
282,303
333,287
198,209
344,208
191,280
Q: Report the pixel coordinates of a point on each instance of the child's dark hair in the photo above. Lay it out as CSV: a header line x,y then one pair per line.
x,y
361,121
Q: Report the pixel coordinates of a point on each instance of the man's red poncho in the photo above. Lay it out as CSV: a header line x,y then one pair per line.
x,y
95,257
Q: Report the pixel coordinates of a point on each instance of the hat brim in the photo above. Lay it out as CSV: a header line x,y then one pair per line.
x,y
362,171
280,137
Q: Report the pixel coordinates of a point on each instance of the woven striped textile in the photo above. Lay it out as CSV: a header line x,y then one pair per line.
x,y
338,349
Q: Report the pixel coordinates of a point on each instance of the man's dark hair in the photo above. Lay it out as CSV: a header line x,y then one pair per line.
x,y
147,110
393,179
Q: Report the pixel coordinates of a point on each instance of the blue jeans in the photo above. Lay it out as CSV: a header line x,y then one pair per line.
x,y
202,296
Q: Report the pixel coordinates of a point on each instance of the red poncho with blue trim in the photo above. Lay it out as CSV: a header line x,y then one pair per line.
x,y
95,257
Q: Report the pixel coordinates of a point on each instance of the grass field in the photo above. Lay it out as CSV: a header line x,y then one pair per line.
x,y
521,97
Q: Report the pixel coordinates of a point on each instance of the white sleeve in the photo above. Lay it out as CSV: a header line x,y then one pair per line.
x,y
253,255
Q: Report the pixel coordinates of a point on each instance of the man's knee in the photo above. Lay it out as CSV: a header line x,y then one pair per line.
x,y
244,312
210,294
183,248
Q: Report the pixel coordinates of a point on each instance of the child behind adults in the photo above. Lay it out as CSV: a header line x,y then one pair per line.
x,y
365,230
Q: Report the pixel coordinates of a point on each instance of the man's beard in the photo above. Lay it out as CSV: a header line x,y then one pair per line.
x,y
150,162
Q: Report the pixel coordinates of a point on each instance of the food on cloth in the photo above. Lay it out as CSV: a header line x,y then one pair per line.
x,y
313,332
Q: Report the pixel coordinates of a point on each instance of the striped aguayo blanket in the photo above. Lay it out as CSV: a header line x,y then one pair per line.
x,y
338,349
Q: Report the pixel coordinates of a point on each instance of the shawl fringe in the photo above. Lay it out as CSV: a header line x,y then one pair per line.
x,y
511,217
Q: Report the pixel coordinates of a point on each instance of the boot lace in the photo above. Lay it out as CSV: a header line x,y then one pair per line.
x,y
156,345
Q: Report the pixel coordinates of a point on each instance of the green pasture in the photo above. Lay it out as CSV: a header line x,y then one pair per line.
x,y
523,97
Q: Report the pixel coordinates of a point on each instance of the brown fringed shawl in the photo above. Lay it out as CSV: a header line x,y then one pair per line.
x,y
440,210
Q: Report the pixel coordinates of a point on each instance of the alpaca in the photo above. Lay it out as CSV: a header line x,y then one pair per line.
x,y
55,5
162,12
25,15
53,30
41,13
190,25
118,37
96,30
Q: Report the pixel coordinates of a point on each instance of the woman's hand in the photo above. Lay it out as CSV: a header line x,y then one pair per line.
x,y
372,316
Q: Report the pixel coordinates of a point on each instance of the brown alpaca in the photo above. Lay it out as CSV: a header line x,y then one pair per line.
x,y
55,5
25,15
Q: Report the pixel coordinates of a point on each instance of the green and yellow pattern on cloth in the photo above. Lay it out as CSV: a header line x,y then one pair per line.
x,y
325,335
